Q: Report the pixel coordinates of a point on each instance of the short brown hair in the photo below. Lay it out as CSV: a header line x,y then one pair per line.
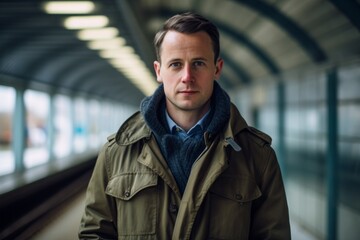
x,y
188,23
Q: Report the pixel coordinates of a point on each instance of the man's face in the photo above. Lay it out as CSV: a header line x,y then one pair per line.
x,y
187,71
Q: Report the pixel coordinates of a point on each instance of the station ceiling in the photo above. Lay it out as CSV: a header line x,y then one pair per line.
x,y
259,38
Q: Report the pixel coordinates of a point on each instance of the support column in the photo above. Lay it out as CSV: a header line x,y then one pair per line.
x,y
51,128
332,154
281,127
19,130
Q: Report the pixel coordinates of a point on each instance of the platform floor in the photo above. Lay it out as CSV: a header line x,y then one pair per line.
x,y
65,224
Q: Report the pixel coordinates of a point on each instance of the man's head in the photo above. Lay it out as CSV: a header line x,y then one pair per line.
x,y
188,23
188,64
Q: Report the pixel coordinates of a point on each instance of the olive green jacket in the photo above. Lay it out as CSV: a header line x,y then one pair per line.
x,y
235,189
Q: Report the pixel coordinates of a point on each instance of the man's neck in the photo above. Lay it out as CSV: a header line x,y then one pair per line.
x,y
187,119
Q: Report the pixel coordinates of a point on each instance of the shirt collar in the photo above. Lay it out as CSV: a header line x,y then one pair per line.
x,y
173,126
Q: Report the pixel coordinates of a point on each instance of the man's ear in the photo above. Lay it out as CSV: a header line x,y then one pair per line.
x,y
218,67
157,67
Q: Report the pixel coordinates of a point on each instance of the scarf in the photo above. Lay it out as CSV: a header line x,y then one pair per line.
x,y
180,155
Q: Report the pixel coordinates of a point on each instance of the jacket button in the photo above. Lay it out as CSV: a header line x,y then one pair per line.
x,y
127,194
238,196
173,208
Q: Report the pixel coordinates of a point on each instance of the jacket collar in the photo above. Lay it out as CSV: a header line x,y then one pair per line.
x,y
135,129
236,123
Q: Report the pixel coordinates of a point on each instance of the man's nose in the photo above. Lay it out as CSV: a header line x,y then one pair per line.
x,y
187,75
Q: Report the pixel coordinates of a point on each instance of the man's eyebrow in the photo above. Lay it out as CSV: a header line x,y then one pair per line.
x,y
199,58
174,60
171,60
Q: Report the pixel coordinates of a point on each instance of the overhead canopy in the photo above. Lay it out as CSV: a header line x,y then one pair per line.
x,y
259,38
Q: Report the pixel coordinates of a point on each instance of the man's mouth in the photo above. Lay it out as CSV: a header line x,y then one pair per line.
x,y
187,91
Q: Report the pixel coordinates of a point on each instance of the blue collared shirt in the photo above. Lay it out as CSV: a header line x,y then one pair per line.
x,y
198,128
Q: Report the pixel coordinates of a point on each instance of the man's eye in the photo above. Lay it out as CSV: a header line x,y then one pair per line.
x,y
198,63
175,64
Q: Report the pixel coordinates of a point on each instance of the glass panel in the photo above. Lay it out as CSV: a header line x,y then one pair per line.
x,y
94,120
305,142
349,120
80,128
106,124
349,139
7,105
63,126
37,113
349,87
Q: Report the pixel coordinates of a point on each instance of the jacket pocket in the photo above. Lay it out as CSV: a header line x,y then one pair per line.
x,y
231,199
136,198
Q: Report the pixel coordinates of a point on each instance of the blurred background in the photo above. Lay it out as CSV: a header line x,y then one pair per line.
x,y
72,71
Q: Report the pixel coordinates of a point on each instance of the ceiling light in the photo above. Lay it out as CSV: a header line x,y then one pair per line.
x,y
130,64
126,65
117,53
106,43
145,82
135,70
81,22
68,7
101,33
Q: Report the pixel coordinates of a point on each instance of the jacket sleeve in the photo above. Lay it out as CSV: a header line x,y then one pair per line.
x,y
98,220
270,218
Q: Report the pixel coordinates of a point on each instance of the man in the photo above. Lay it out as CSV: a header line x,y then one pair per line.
x,y
186,166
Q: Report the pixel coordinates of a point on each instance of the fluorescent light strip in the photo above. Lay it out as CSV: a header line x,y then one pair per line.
x,y
122,58
125,51
133,68
82,22
68,7
106,44
95,34
111,46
